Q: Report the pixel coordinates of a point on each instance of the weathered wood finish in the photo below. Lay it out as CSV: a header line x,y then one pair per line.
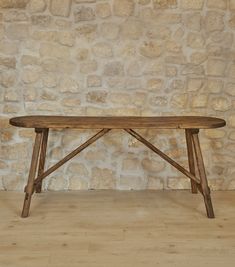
x,y
189,142
173,122
191,124
202,173
32,173
42,158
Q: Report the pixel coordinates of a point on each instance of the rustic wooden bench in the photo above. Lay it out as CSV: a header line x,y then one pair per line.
x,y
190,124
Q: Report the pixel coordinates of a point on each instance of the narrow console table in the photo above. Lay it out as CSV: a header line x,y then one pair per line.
x,y
190,124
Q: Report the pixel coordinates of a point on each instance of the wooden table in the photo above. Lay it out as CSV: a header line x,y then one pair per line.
x,y
190,124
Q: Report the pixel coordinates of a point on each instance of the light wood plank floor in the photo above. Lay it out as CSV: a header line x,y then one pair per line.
x,y
116,228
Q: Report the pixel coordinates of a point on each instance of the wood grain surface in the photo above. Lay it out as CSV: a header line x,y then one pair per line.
x,y
173,122
108,228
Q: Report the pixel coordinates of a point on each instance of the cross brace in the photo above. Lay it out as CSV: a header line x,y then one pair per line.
x,y
193,146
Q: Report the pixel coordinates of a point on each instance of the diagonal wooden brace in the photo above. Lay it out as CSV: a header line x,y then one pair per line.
x,y
72,154
164,156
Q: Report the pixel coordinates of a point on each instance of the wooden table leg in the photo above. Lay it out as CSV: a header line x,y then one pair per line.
x,y
42,158
29,189
202,174
191,162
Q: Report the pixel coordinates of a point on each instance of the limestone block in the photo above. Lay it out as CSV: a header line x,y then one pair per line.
x,y
220,104
114,69
173,47
144,2
194,84
161,32
102,178
13,3
3,165
215,133
88,31
77,183
131,163
231,71
164,18
13,182
96,155
214,21
66,38
14,151
119,98
68,85
216,67
96,97
159,101
48,94
43,35
41,20
225,39
53,50
232,4
84,14
57,183
123,8
215,86
103,10
231,120
88,67
154,183
193,21
109,31
192,69
220,4
8,62
11,108
131,29
152,165
165,3
200,101
94,81
29,60
102,49
71,102
29,93
195,40
151,49
134,69
178,183
82,54
63,23
232,135
85,1
132,182
17,31
11,95
36,6
198,57
7,79
30,75
60,7
49,80
15,15
179,100
192,4
230,89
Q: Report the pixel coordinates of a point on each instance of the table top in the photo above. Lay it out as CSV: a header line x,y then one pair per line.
x,y
118,122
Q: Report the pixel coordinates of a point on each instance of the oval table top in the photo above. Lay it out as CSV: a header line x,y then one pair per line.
x,y
118,122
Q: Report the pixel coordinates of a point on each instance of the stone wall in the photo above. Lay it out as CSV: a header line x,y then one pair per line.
x,y
117,57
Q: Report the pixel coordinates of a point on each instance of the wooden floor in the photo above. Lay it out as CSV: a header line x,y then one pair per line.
x,y
115,228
